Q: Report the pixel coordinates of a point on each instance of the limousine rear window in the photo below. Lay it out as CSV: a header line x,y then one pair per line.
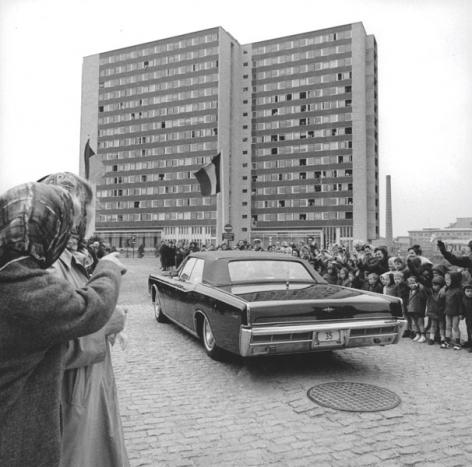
x,y
267,270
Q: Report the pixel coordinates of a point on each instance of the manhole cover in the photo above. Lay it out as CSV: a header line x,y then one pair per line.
x,y
353,397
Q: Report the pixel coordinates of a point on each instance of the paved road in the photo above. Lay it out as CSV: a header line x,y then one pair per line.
x,y
180,408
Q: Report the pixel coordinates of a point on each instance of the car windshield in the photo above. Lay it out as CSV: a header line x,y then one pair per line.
x,y
268,270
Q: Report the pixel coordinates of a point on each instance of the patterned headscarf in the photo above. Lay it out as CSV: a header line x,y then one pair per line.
x,y
81,189
35,220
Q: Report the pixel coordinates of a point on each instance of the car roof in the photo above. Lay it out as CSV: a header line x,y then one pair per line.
x,y
216,270
241,254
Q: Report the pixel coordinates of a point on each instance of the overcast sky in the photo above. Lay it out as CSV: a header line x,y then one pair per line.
x,y
425,82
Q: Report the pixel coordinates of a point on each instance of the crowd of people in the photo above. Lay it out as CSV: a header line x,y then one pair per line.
x,y
59,316
435,296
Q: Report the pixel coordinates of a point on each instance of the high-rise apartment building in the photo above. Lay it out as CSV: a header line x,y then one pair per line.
x,y
294,118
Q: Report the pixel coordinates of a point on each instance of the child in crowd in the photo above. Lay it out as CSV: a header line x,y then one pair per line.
x,y
343,278
416,307
400,266
355,281
402,291
435,310
467,302
388,284
373,283
331,275
453,309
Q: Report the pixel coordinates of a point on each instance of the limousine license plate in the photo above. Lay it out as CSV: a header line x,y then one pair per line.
x,y
328,337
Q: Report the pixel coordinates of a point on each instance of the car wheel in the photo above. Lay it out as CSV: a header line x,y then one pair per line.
x,y
209,342
158,313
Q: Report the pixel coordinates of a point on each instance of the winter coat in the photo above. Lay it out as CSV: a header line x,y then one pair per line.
x,y
92,434
467,307
39,314
417,301
331,278
462,261
377,287
453,294
374,264
435,305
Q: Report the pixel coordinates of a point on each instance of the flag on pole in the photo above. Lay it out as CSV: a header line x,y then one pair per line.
x,y
88,153
209,177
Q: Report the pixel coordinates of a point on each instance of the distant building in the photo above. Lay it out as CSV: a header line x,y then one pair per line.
x,y
401,245
294,118
456,236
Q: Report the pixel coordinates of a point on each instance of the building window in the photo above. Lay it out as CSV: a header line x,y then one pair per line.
x,y
245,76
244,152
136,204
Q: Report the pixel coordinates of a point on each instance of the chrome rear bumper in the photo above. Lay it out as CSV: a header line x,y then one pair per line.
x,y
301,338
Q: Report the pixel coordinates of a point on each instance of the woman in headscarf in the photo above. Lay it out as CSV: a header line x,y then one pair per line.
x,y
92,434
39,314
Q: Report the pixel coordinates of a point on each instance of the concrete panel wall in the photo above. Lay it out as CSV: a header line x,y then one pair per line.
x,y
89,115
372,141
229,133
359,149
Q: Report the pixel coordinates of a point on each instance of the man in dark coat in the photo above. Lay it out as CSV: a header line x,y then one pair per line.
x,y
39,314
462,261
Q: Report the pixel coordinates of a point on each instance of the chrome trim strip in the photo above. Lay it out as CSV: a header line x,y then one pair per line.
x,y
246,333
325,326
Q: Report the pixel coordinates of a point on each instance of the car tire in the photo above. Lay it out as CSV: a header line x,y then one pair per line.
x,y
158,312
209,342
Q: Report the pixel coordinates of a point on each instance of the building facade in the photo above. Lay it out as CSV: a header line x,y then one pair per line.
x,y
294,118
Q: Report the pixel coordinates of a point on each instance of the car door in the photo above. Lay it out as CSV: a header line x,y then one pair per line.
x,y
181,287
187,296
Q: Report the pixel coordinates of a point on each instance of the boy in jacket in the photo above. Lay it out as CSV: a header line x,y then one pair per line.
x,y
453,309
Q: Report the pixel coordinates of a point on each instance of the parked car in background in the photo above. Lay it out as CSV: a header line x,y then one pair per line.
x,y
254,303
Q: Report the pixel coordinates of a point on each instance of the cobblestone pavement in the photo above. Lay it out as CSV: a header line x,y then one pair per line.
x,y
180,408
